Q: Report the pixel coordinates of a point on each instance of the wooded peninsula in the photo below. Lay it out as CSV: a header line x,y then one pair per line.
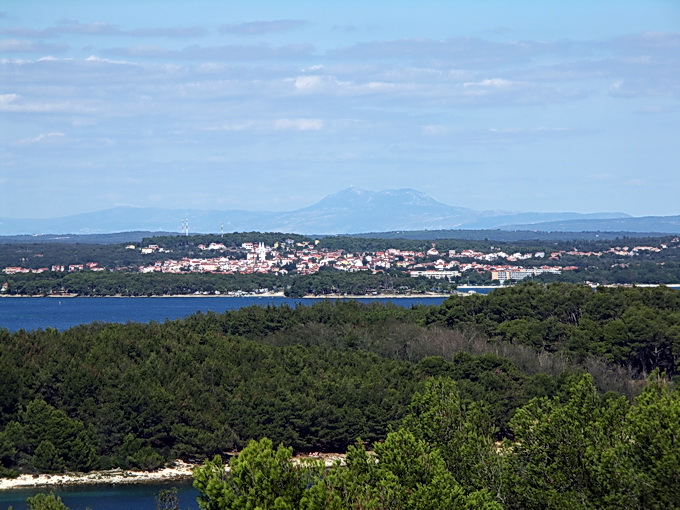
x,y
534,396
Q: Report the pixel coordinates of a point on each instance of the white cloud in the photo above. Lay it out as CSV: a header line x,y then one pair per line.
x,y
231,52
381,86
650,41
41,138
70,26
26,32
262,27
502,90
239,126
97,28
299,124
178,32
8,98
24,46
461,51
95,58
334,86
493,83
434,129
44,107
619,89
261,126
312,83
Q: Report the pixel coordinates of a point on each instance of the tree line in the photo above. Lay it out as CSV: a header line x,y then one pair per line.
x,y
637,327
137,395
93,283
578,449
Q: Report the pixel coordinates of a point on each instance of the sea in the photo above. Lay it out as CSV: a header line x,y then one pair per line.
x,y
105,497
61,313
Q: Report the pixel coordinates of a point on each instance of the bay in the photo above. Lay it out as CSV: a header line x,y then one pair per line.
x,y
105,497
31,313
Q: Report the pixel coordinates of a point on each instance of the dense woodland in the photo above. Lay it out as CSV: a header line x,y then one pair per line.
x,y
578,450
507,367
91,283
507,236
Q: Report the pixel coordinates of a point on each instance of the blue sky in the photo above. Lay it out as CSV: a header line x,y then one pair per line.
x,y
518,106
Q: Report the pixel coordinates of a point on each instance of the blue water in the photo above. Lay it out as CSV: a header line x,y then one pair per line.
x,y
63,313
105,497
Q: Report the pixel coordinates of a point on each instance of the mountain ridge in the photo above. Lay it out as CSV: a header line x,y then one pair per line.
x,y
349,211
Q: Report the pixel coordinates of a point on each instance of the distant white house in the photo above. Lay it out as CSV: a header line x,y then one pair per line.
x,y
435,275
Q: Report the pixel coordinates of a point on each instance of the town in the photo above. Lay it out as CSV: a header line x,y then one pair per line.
x,y
307,257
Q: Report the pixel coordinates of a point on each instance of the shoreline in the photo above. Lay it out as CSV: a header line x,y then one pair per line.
x,y
179,470
266,295
375,296
461,289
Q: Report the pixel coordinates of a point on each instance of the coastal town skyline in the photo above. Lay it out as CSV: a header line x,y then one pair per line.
x,y
307,258
266,106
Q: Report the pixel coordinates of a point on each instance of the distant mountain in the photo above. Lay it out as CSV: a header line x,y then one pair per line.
x,y
507,236
352,210
122,219
113,238
659,224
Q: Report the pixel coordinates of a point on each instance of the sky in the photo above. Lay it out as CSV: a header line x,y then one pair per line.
x,y
268,105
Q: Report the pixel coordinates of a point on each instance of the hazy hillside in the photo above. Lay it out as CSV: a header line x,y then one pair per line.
x,y
352,210
660,224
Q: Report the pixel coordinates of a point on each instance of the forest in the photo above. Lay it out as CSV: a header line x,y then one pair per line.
x,y
91,283
535,396
578,450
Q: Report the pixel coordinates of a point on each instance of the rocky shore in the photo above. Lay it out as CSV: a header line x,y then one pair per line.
x,y
179,470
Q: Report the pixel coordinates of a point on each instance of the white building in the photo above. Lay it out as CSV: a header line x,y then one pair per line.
x,y
435,275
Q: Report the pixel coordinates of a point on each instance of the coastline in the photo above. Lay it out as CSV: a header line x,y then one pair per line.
x,y
461,290
67,296
375,296
265,295
179,470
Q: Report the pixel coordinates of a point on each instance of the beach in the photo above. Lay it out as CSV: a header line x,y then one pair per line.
x,y
233,296
179,470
